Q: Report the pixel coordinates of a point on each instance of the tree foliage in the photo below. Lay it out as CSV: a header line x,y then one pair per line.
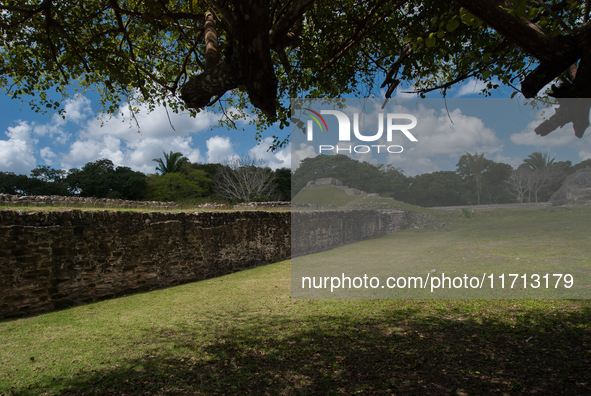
x,y
254,55
444,188
186,183
44,180
100,179
538,175
474,165
172,162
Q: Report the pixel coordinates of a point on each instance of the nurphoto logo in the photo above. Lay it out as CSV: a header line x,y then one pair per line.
x,y
393,125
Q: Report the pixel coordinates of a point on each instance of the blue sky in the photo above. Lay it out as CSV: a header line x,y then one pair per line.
x,y
28,139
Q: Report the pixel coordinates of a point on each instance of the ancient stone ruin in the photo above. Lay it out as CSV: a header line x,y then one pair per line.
x,y
575,189
331,181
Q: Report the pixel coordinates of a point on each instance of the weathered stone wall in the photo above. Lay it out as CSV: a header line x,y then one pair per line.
x,y
57,200
55,259
575,189
322,230
50,260
331,181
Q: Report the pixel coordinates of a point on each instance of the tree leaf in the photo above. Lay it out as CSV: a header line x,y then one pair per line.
x,y
452,25
431,40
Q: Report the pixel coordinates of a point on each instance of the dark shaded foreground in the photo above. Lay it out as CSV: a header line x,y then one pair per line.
x,y
513,350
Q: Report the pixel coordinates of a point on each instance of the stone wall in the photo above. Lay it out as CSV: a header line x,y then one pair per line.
x,y
54,259
57,200
331,181
322,230
575,189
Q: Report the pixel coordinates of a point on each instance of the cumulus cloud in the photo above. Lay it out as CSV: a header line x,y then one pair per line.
x,y
219,149
159,123
47,154
470,87
122,140
298,154
513,161
441,141
16,153
277,159
77,109
404,93
585,153
438,135
86,138
563,136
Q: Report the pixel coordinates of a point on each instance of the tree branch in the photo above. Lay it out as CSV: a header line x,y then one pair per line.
x,y
360,33
287,18
223,11
520,31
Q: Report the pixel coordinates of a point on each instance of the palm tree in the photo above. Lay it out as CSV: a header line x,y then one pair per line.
x,y
539,161
543,170
172,162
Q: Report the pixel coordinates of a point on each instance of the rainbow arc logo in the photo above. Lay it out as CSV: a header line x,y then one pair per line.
x,y
317,117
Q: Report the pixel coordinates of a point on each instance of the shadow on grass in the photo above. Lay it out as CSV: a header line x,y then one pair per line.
x,y
397,351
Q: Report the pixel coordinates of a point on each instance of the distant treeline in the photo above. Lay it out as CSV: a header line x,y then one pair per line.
x,y
101,179
477,180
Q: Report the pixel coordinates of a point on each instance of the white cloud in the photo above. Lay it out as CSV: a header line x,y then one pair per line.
x,y
297,155
585,153
155,124
142,152
438,135
219,149
47,154
513,161
82,152
119,139
563,136
439,140
77,109
470,87
277,159
16,153
404,93
137,155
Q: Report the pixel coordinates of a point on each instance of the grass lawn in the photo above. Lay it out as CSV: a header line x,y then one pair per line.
x,y
244,334
521,241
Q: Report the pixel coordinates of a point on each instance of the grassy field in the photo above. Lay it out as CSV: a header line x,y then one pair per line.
x,y
530,241
244,334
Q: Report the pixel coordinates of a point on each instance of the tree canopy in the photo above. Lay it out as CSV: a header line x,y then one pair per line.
x,y
255,55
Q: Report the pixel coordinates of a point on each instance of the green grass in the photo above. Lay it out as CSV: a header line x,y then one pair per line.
x,y
494,241
243,334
